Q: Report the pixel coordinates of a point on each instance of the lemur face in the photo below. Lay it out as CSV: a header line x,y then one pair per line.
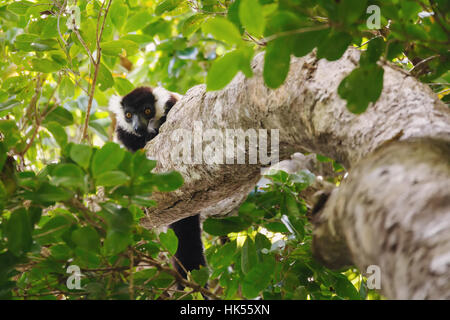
x,y
142,111
138,110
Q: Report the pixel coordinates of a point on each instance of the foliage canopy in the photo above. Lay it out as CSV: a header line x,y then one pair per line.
x,y
69,196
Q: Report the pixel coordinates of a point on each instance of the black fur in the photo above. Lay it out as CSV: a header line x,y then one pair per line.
x,y
190,247
138,99
188,230
131,141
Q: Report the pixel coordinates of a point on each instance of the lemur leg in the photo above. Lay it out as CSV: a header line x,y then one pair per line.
x,y
190,247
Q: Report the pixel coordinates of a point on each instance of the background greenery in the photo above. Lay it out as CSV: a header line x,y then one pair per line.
x,y
69,196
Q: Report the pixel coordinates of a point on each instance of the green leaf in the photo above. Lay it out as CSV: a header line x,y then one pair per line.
x,y
45,65
10,132
143,201
88,258
23,41
245,59
86,238
166,5
141,164
276,62
116,242
349,11
252,17
8,15
345,289
138,21
68,175
81,154
200,276
291,208
61,116
138,38
305,42
222,71
123,86
18,232
44,44
261,242
53,229
248,255
141,277
282,21
66,88
362,86
276,227
105,78
118,14
233,15
50,28
115,48
224,255
334,46
58,133
117,218
374,50
222,29
222,227
8,105
394,49
3,154
168,181
258,278
107,158
20,7
61,252
169,241
111,178
192,24
48,193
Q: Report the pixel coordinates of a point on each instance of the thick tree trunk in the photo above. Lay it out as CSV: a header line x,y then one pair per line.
x,y
310,116
393,212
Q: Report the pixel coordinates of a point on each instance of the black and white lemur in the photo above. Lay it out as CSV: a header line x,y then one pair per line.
x,y
139,116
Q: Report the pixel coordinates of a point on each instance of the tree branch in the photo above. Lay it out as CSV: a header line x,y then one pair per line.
x,y
309,115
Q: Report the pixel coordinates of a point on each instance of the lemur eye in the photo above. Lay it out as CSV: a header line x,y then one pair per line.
x,y
128,115
147,111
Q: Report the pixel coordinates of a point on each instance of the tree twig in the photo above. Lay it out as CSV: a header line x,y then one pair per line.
x,y
33,105
96,69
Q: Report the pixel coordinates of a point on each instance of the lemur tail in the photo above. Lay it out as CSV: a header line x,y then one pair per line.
x,y
190,247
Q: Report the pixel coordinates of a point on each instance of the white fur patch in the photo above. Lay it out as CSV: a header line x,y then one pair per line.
x,y
161,97
116,108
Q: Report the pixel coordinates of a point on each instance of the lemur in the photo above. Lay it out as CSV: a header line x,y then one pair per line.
x,y
139,116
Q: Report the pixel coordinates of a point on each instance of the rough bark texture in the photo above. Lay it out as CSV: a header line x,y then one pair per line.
x,y
312,117
393,211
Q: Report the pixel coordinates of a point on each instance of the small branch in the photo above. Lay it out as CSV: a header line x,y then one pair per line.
x,y
96,68
80,38
196,287
130,285
33,105
423,61
57,21
292,32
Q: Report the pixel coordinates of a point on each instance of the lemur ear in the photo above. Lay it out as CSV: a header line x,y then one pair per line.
x,y
115,104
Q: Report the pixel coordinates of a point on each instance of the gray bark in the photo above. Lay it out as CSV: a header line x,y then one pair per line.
x,y
312,117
